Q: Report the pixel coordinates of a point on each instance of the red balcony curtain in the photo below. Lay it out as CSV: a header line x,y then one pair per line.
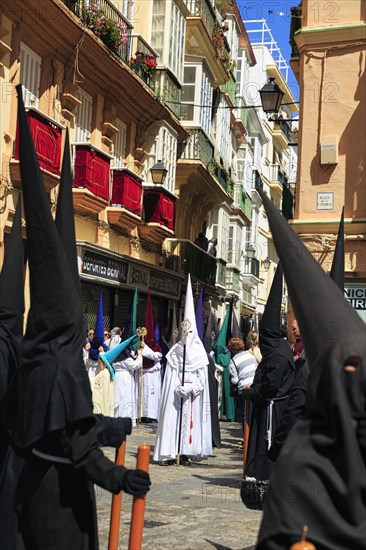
x,y
159,208
126,191
47,142
92,171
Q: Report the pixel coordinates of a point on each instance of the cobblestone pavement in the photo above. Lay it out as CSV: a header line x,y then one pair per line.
x,y
188,508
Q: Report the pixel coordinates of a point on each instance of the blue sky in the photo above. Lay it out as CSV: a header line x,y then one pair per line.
x,y
277,15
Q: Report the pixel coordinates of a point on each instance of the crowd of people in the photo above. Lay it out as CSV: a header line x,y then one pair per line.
x,y
307,400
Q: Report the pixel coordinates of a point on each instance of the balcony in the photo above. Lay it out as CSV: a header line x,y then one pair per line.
x,y
80,9
184,256
199,147
91,179
204,38
47,137
168,90
126,203
140,46
158,214
243,201
250,275
282,133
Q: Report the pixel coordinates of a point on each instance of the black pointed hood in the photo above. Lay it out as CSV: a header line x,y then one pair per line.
x,y
11,302
323,445
51,388
271,341
337,269
324,316
65,213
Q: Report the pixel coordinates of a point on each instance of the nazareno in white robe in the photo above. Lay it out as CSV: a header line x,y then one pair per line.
x,y
125,389
196,439
151,384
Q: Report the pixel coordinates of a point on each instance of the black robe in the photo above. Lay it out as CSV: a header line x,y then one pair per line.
x,y
56,498
295,410
273,379
213,387
319,478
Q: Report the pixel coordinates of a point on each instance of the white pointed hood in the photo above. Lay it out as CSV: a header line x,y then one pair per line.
x,y
196,356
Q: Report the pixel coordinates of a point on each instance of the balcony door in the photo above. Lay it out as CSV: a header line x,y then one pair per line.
x,y
30,75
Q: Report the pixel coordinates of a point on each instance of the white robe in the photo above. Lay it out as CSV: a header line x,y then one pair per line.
x,y
93,368
125,390
102,387
151,384
196,438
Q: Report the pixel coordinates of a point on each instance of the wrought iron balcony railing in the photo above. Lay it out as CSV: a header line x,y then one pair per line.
x,y
204,10
168,90
79,7
183,255
285,128
198,147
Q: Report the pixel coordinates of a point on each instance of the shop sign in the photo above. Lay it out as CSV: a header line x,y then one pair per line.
x,y
104,267
356,296
164,284
138,276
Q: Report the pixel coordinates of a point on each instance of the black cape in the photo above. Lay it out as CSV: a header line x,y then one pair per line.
x,y
213,387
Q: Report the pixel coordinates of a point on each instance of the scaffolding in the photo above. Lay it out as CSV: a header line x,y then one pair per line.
x,y
260,35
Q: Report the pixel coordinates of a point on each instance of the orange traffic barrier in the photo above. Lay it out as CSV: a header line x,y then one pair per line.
x,y
138,506
116,504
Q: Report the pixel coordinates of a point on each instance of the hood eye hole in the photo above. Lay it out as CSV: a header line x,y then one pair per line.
x,y
352,363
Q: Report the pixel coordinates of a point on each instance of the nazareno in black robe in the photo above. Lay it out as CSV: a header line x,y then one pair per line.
x,y
273,380
48,407
295,409
319,479
272,383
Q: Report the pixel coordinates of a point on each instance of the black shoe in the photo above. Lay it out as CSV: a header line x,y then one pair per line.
x,y
184,460
167,463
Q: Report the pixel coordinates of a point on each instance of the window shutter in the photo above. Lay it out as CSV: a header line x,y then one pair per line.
x,y
83,118
119,153
30,75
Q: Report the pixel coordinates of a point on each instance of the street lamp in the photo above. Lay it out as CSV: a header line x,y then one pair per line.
x,y
266,264
271,96
158,173
250,250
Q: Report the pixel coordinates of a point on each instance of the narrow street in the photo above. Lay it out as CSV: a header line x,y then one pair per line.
x,y
190,508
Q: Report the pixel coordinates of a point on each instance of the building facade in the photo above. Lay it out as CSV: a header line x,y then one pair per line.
x,y
328,58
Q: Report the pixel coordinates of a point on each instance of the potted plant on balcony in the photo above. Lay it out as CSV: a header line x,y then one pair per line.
x,y
111,31
144,65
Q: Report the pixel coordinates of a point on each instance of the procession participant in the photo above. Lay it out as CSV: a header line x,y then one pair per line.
x,y
125,366
213,384
272,383
151,376
320,476
11,333
189,402
97,344
115,338
296,405
47,409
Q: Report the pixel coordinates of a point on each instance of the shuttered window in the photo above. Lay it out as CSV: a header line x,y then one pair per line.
x,y
30,75
84,117
119,153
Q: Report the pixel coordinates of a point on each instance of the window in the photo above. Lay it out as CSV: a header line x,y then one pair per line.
x,y
158,24
223,243
164,148
30,75
119,153
176,42
197,97
168,42
83,117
